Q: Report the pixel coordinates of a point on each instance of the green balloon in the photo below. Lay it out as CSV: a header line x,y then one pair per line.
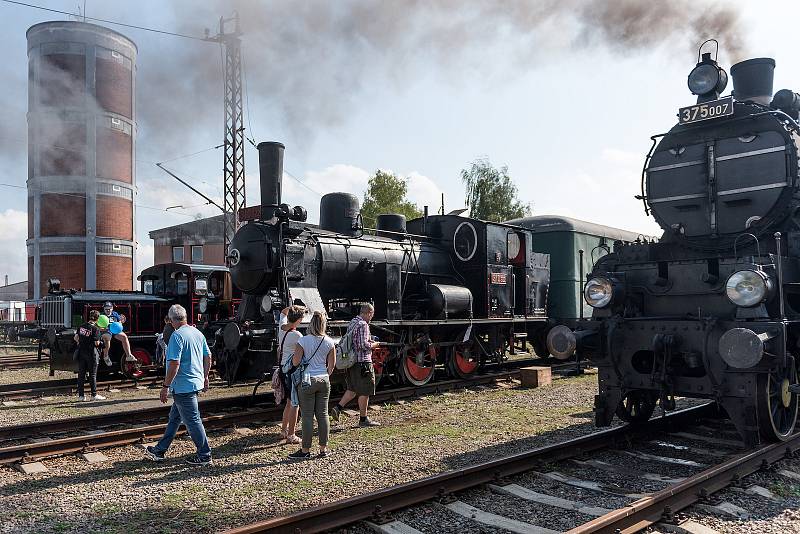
x,y
102,321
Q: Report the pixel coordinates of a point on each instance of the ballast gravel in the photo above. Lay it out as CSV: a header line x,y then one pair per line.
x,y
251,479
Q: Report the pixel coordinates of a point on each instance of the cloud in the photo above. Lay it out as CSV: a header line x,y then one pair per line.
x,y
13,232
145,253
423,191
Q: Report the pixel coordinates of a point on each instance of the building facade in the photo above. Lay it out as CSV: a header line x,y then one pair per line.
x,y
199,242
81,165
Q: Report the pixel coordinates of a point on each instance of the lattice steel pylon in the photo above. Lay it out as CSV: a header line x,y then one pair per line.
x,y
233,163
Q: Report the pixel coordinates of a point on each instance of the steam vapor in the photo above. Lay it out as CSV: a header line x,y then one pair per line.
x,y
308,63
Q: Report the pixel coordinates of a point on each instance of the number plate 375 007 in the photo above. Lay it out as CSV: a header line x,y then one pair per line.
x,y
707,110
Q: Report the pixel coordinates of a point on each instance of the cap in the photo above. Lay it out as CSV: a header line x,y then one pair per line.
x,y
108,304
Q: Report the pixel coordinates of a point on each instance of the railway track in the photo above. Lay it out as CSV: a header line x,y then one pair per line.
x,y
473,495
42,439
67,386
21,360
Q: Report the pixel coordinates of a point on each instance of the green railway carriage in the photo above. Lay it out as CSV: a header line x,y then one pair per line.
x,y
563,238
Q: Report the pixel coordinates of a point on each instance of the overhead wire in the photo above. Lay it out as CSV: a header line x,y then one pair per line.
x,y
106,21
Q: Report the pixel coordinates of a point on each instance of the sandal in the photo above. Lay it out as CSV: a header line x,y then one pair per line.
x,y
283,434
293,439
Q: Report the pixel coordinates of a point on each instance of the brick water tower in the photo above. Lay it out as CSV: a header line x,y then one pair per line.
x,y
81,166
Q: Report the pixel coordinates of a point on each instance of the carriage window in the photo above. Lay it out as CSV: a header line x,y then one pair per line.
x,y
177,254
182,286
197,253
148,287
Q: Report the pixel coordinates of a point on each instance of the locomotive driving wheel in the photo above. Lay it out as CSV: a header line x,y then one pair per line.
x,y
637,406
417,366
777,405
463,361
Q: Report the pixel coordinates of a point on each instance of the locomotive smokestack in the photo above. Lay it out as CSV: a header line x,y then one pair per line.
x,y
752,80
270,169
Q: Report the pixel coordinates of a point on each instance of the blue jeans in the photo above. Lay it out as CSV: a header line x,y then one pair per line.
x,y
185,410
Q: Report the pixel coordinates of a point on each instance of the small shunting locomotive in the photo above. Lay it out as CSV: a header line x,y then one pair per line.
x,y
448,291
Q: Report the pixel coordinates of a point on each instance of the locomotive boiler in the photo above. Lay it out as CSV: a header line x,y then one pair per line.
x,y
447,290
711,309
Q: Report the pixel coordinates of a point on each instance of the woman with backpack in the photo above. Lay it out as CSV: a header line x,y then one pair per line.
x,y
288,336
315,358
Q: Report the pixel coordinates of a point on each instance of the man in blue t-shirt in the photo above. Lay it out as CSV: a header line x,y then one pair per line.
x,y
188,363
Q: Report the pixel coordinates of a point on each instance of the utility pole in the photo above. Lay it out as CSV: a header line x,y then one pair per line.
x,y
233,162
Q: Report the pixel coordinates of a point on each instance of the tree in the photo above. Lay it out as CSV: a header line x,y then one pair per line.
x,y
491,195
386,193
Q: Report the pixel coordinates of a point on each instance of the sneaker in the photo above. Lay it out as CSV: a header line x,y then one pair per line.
x,y
131,358
300,455
324,454
196,460
107,360
98,397
81,398
87,399
368,422
335,413
154,454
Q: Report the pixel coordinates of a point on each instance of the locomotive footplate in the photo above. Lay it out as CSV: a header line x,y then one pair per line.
x,y
642,362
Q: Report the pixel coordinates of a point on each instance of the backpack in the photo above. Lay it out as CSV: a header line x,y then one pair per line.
x,y
345,352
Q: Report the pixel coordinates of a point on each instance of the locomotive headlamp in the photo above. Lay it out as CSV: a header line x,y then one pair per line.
x,y
203,305
266,304
748,288
598,292
707,79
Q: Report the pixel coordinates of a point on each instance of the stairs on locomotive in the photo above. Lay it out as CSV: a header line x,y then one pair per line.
x,y
710,310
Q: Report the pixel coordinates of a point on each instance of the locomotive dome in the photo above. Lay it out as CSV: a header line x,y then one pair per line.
x,y
707,182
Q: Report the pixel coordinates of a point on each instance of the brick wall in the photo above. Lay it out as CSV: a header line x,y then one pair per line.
x,y
114,217
114,154
162,254
114,273
30,220
63,215
30,277
71,270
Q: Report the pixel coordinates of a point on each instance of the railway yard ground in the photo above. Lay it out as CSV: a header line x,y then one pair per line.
x,y
252,480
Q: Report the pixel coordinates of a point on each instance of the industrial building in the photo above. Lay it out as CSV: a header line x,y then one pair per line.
x,y
81,164
199,242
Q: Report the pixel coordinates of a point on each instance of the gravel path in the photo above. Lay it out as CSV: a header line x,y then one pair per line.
x,y
251,478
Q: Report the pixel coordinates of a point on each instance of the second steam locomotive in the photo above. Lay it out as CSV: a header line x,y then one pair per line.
x,y
448,290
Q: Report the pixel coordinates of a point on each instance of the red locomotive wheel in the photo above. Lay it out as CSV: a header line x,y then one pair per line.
x,y
463,362
380,356
133,370
418,368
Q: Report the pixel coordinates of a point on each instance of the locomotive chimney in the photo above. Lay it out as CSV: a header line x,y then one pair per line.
x,y
270,169
752,80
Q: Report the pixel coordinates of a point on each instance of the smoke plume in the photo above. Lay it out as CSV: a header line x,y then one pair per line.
x,y
308,63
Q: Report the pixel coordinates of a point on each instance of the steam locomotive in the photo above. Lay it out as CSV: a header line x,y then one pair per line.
x,y
712,309
448,290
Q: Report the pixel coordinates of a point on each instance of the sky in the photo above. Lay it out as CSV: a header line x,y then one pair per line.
x,y
566,94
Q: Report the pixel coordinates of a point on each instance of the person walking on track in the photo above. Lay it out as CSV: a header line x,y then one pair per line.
x,y
188,364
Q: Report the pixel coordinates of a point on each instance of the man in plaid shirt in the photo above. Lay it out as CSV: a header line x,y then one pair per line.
x,y
360,377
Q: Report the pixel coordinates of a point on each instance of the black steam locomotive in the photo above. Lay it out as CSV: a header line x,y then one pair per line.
x,y
712,309
447,290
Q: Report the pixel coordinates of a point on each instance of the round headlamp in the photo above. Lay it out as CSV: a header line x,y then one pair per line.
x,y
203,305
266,304
598,292
703,79
748,288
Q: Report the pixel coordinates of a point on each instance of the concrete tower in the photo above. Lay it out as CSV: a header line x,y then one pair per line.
x,y
81,166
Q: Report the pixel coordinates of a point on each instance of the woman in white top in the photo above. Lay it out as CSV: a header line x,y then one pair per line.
x,y
317,352
288,336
